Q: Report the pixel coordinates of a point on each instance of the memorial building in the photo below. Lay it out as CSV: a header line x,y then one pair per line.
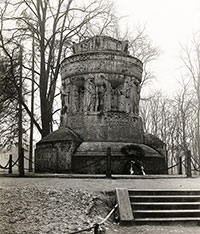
x,y
100,97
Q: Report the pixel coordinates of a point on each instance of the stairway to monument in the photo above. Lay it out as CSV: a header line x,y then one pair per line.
x,y
158,206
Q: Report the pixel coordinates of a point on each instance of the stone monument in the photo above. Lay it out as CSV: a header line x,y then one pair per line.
x,y
100,96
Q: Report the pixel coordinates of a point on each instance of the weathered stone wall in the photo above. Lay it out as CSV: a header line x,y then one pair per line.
x,y
90,157
110,126
54,157
97,165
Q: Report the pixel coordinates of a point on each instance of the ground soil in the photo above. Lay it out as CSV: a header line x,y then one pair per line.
x,y
66,205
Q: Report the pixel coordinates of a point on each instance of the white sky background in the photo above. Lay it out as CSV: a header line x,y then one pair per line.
x,y
168,23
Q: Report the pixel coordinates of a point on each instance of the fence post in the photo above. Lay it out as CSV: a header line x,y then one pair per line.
x,y
108,160
10,164
96,228
180,171
188,169
166,162
21,163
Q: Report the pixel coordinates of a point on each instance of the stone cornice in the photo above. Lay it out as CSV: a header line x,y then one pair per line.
x,y
98,54
101,62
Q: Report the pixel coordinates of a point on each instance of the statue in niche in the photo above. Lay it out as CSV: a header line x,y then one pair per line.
x,y
75,99
133,96
107,97
100,95
132,90
122,101
63,118
114,99
66,95
137,98
127,91
89,95
64,110
81,99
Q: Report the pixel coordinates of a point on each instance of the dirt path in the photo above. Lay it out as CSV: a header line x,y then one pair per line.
x,y
102,184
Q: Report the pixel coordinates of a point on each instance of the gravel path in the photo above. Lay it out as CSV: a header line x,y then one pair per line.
x,y
56,206
102,184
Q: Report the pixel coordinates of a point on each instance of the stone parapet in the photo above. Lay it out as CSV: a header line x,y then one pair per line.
x,y
101,43
101,62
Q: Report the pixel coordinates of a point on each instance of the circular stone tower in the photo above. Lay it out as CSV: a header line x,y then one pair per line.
x,y
100,95
101,92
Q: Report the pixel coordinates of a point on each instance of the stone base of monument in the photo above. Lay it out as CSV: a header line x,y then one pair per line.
x,y
64,152
91,157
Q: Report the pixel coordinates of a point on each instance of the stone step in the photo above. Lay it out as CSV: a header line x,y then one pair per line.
x,y
165,220
164,198
165,205
166,213
164,192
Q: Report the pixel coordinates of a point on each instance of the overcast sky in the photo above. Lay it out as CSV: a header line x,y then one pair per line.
x,y
168,23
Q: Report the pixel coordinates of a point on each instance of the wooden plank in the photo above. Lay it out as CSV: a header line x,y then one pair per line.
x,y
125,210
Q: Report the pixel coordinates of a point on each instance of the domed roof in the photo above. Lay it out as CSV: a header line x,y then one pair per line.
x,y
62,134
153,141
100,149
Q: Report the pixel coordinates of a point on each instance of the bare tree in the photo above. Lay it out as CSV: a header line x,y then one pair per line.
x,y
172,119
191,59
55,25
183,102
9,97
8,104
141,47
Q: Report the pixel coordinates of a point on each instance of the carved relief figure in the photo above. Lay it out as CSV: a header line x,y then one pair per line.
x,y
66,102
133,96
127,89
138,89
81,99
114,99
100,95
63,118
89,94
107,97
122,98
75,99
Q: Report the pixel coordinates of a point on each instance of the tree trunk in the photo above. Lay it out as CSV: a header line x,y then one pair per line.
x,y
32,109
20,134
46,117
